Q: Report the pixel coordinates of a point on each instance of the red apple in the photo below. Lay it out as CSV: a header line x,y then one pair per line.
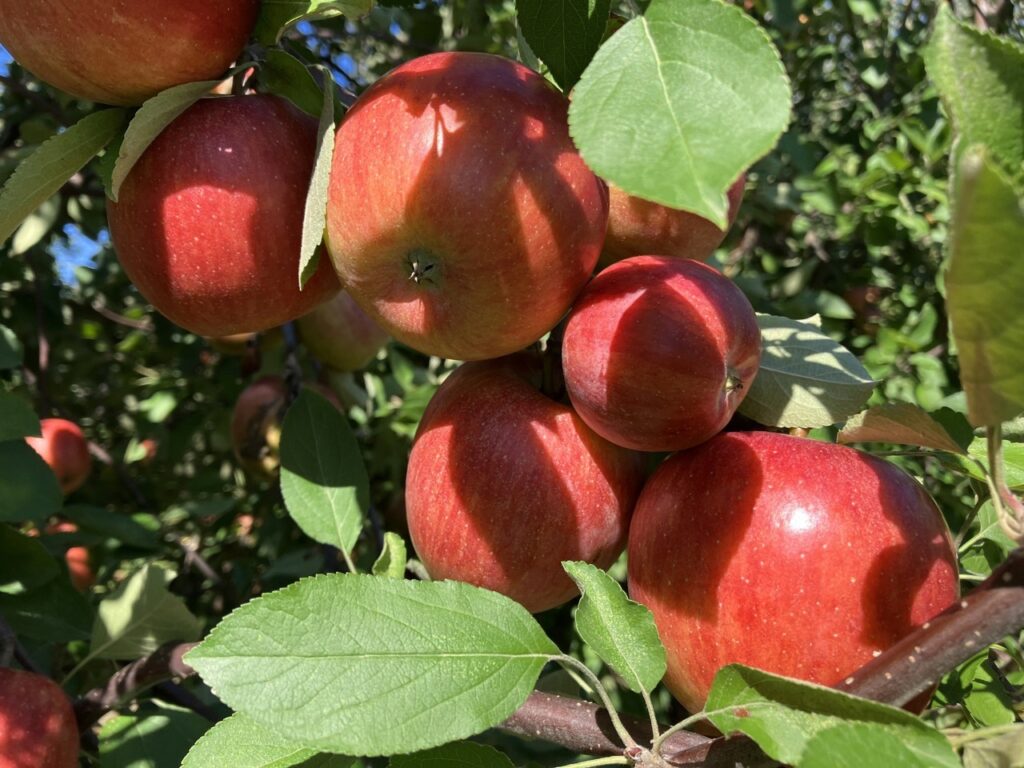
x,y
77,558
637,226
659,352
798,557
125,51
37,723
505,483
341,335
208,224
461,217
64,447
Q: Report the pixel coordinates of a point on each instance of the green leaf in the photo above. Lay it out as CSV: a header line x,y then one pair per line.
x,y
327,660
276,16
984,279
11,352
139,530
785,716
713,95
17,419
1003,751
978,77
901,423
150,121
464,754
393,557
238,741
988,700
24,562
860,745
1013,462
155,736
806,379
323,478
30,489
284,75
619,630
55,612
564,33
140,616
315,217
46,170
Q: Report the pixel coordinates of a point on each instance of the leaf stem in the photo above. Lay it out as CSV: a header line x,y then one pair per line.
x,y
655,729
566,660
1009,509
598,761
682,724
348,560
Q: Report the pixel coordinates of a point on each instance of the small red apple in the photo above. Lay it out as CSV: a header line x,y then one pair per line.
x,y
505,483
341,335
125,51
64,447
208,224
78,559
37,723
659,352
461,216
637,226
798,557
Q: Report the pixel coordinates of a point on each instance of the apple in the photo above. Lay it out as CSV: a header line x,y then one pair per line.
x,y
64,447
505,483
37,723
341,335
77,558
240,344
659,352
208,224
125,51
637,226
460,215
802,558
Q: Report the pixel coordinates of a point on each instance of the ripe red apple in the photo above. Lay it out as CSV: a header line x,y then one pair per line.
x,y
64,447
797,557
659,352
77,558
341,335
637,226
208,224
505,483
124,51
37,723
461,217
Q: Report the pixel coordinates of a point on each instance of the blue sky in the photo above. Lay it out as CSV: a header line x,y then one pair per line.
x,y
5,61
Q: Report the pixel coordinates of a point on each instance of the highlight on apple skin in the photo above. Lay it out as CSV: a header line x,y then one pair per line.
x,y
37,724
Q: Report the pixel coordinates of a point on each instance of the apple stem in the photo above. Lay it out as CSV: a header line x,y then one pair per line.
x,y
1009,509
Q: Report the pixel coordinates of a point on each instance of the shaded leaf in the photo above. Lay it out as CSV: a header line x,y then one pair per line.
x,y
156,736
138,530
278,15
564,33
464,754
238,741
901,423
55,612
30,489
17,419
11,352
24,562
284,75
1003,751
314,220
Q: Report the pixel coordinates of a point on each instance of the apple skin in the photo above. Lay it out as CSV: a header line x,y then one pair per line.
x,y
460,216
77,558
637,226
208,224
505,483
37,723
64,447
659,352
340,335
798,557
125,51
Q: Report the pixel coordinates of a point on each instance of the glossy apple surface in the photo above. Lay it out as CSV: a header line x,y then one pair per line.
x,y
37,724
63,446
797,557
505,483
461,217
208,224
659,352
637,227
124,51
341,335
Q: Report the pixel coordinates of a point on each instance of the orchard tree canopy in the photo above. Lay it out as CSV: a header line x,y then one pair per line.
x,y
511,383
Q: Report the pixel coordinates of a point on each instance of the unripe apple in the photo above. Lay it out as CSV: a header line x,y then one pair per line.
x,y
505,483
37,723
802,558
461,217
64,447
125,51
341,335
208,224
659,352
637,226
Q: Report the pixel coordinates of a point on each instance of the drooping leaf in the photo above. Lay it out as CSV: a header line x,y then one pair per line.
x,y
30,489
619,630
806,379
463,754
59,158
24,562
276,16
902,423
156,736
369,666
393,557
284,75
323,478
713,95
11,351
564,33
17,419
984,280
314,220
238,741
54,612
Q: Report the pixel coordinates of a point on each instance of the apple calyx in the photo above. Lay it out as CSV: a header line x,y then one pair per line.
x,y
733,382
421,263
